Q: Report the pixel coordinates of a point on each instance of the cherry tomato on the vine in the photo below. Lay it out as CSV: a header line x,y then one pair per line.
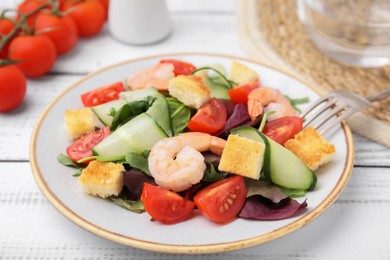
x,y
12,87
88,15
62,30
28,6
36,52
6,26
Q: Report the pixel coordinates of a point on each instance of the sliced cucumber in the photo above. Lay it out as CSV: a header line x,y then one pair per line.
x,y
283,168
137,135
138,94
248,132
102,111
159,111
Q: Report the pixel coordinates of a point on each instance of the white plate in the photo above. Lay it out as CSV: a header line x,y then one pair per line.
x,y
197,235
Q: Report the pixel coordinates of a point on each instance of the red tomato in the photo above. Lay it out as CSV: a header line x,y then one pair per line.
x,y
210,118
180,67
165,206
282,129
28,6
62,30
89,16
37,52
102,95
239,94
12,87
222,200
82,147
6,26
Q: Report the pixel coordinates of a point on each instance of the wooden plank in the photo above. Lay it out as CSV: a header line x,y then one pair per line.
x,y
32,228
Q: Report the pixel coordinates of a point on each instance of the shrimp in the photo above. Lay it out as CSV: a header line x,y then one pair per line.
x,y
176,162
268,99
157,76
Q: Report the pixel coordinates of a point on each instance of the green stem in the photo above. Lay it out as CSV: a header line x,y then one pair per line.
x,y
23,18
229,82
264,120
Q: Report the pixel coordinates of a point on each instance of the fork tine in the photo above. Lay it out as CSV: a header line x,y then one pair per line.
x,y
339,119
334,113
331,103
315,104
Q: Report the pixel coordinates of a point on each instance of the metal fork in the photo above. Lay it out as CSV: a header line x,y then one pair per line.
x,y
336,106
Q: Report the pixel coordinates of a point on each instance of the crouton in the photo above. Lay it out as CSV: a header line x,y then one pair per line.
x,y
79,122
242,156
240,73
102,179
311,147
190,90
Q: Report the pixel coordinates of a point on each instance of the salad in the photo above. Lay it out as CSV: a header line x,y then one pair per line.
x,y
174,138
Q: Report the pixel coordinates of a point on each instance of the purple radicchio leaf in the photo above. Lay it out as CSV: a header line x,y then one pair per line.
x,y
134,180
265,189
229,106
260,208
239,117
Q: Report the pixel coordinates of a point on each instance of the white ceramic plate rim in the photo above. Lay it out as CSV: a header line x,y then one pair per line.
x,y
179,248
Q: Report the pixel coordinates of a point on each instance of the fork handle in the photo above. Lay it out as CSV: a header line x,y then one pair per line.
x,y
379,96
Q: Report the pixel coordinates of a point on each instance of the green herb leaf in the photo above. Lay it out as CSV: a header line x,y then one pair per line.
x,y
264,120
212,175
138,161
65,160
230,84
134,206
180,115
297,101
293,193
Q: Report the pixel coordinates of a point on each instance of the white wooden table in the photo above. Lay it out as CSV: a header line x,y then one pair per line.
x,y
356,226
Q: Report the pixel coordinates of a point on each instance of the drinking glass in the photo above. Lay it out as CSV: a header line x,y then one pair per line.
x,y
353,32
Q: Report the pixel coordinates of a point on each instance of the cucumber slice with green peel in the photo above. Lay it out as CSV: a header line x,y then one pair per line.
x,y
248,132
102,111
137,135
280,167
138,94
283,168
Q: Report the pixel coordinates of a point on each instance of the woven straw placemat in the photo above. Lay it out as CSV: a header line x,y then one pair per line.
x,y
271,32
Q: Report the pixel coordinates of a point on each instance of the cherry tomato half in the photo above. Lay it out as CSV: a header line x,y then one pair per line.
x,y
102,95
180,67
37,52
222,200
165,206
210,118
61,30
12,87
239,94
82,147
284,128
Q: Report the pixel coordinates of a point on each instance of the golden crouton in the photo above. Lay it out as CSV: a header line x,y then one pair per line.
x,y
242,156
102,179
79,122
190,90
311,147
240,73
